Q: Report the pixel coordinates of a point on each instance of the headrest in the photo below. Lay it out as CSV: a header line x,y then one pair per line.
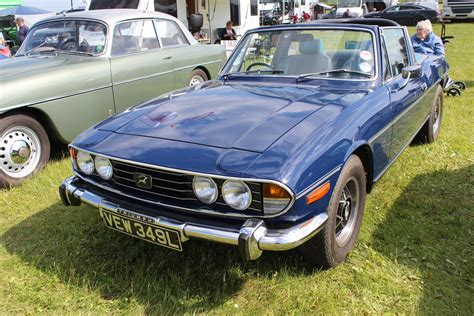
x,y
313,47
301,37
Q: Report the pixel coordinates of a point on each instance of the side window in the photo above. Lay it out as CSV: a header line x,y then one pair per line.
x,y
170,33
397,49
386,73
134,37
393,9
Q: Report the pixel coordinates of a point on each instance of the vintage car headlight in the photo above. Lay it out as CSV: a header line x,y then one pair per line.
x,y
205,189
236,194
275,198
85,162
104,167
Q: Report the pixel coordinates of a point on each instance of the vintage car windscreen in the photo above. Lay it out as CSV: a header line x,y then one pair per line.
x,y
86,37
335,53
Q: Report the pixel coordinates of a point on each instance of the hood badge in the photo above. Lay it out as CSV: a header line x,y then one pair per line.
x,y
143,181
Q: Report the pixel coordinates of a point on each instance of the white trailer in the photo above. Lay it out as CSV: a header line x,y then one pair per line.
x,y
243,13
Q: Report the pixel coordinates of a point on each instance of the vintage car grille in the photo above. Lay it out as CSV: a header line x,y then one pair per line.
x,y
174,188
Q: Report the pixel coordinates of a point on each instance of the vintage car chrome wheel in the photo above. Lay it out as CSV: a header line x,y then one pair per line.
x,y
347,211
24,148
198,76
331,246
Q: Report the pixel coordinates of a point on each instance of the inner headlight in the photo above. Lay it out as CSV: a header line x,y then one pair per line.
x,y
85,162
104,167
205,189
236,194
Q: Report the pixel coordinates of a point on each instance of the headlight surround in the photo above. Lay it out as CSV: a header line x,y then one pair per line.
x,y
103,167
237,194
85,162
205,189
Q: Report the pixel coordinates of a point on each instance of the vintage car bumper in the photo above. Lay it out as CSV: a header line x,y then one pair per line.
x,y
252,237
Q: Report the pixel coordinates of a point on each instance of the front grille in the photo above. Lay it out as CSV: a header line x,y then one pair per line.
x,y
175,188
461,10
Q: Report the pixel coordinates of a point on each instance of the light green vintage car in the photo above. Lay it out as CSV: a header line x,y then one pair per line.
x,y
76,70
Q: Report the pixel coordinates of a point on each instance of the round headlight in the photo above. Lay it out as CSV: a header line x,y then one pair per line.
x,y
236,194
103,167
205,189
85,162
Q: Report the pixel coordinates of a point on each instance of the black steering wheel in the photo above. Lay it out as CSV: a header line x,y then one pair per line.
x,y
260,64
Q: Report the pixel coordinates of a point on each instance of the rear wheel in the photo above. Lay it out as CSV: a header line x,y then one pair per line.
x,y
331,246
24,149
198,76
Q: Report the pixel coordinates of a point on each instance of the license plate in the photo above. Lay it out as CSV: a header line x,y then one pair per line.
x,y
155,234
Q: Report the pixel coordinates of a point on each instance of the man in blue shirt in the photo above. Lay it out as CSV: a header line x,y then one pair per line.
x,y
425,41
22,30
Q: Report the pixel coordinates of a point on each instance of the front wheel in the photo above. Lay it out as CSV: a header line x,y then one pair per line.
x,y
198,76
331,246
24,149
430,131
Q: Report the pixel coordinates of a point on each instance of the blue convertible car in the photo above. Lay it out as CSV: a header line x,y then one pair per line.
x,y
279,152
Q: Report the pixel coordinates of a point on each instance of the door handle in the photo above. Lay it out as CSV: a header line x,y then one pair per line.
x,y
167,57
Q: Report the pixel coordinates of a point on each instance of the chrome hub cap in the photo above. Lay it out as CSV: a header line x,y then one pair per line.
x,y
20,151
347,212
195,80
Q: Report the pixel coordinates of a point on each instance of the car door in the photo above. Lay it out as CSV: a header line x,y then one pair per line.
x,y
184,56
140,68
406,95
407,14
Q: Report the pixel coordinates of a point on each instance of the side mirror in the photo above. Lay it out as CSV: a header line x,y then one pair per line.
x,y
414,71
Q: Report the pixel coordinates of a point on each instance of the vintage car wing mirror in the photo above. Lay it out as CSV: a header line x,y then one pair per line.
x,y
408,72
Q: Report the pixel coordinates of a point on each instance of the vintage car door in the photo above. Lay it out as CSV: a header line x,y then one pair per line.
x,y
141,69
407,97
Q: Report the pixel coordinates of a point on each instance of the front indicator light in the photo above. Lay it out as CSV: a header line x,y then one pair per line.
x,y
103,167
205,189
275,198
318,193
85,163
73,154
236,194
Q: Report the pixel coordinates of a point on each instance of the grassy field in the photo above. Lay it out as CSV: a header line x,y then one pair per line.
x,y
414,255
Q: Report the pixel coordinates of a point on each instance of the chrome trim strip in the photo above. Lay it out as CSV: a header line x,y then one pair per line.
x,y
66,95
272,239
319,181
196,65
143,77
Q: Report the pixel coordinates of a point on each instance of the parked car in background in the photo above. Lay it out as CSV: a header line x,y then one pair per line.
x,y
75,70
277,153
407,14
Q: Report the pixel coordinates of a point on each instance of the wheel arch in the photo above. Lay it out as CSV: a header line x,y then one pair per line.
x,y
364,152
42,118
203,68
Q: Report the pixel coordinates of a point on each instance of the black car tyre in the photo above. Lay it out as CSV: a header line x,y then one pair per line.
x,y
430,131
24,149
330,247
198,76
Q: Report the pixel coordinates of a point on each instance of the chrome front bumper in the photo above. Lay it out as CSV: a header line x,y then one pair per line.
x,y
252,238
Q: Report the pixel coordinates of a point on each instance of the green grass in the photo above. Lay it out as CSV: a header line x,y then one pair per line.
x,y
414,255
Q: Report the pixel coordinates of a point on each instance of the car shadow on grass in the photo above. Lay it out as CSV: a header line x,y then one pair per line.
x,y
73,243
429,228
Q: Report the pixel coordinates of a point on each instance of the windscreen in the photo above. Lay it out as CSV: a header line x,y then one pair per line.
x,y
334,53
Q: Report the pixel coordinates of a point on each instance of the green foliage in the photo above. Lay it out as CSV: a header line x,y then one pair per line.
x,y
414,254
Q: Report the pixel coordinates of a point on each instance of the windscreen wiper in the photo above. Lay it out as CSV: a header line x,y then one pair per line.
x,y
256,71
44,50
342,70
